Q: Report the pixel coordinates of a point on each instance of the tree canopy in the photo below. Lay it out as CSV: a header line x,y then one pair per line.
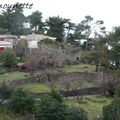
x,y
56,27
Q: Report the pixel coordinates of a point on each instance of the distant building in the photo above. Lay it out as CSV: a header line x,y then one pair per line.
x,y
9,38
80,41
4,45
34,39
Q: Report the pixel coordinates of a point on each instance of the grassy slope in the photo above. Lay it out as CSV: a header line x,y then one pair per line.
x,y
36,87
44,88
93,106
12,76
78,68
5,117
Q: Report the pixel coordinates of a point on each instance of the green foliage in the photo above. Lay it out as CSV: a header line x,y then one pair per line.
x,y
76,113
21,47
1,58
2,70
117,91
22,101
56,27
47,41
9,76
70,27
36,21
27,31
9,58
71,38
12,20
112,111
114,42
5,91
50,109
56,96
85,29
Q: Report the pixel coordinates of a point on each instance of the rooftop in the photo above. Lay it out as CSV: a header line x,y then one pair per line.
x,y
8,36
5,43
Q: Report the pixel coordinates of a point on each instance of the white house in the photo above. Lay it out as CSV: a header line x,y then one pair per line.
x,y
33,39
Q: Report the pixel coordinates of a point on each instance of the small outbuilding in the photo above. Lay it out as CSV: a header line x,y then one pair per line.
x,y
34,39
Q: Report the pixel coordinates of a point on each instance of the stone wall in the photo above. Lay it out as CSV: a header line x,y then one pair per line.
x,y
42,78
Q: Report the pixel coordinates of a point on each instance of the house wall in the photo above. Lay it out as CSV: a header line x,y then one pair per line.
x,y
33,39
3,47
1,39
33,44
9,38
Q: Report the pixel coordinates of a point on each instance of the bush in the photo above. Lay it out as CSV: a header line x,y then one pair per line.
x,y
47,41
2,70
112,111
22,101
56,96
50,109
5,91
117,91
9,58
76,113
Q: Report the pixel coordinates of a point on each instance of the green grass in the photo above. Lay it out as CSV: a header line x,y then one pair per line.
x,y
93,108
12,76
86,84
93,105
78,68
36,87
4,116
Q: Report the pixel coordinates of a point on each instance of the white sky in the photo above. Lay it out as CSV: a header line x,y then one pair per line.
x,y
106,10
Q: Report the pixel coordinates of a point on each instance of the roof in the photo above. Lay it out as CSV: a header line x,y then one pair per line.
x,y
20,64
5,43
39,36
8,36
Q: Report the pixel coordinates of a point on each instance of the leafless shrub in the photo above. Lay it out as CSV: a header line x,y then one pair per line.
x,y
67,83
108,82
47,55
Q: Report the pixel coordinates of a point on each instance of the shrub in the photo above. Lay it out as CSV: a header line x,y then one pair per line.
x,y
22,101
2,70
112,111
56,96
76,113
9,58
117,91
50,109
47,41
5,91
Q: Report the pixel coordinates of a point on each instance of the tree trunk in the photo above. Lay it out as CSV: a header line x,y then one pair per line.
x,y
96,70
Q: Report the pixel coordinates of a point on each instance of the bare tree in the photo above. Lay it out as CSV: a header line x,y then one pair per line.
x,y
108,82
45,56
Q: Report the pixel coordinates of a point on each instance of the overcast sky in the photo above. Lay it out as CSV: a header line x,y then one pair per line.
x,y
106,10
